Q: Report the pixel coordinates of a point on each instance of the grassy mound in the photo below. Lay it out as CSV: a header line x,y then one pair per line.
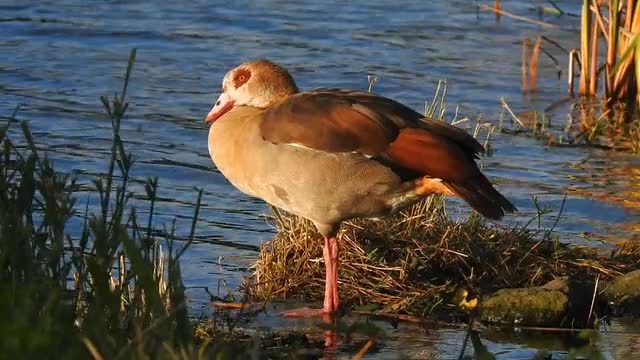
x,y
416,261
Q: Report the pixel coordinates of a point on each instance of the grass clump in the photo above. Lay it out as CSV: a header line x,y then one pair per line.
x,y
415,261
105,289
606,113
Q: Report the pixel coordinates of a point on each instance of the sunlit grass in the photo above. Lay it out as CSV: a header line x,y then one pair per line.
x,y
416,261
110,289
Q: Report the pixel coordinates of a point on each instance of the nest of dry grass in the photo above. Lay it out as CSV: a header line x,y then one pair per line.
x,y
415,261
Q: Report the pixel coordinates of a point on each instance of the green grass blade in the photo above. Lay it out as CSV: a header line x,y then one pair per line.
x,y
132,60
627,52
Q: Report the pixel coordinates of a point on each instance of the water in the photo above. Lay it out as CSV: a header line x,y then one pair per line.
x,y
57,58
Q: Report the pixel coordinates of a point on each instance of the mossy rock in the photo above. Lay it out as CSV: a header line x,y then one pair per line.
x,y
623,293
561,302
526,307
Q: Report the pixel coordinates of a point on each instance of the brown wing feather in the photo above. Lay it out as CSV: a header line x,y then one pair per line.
x,y
436,157
343,120
325,122
433,155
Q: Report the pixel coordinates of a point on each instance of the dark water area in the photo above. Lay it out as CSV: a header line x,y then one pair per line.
x,y
58,57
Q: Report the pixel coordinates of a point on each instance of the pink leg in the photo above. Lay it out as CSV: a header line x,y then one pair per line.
x,y
331,300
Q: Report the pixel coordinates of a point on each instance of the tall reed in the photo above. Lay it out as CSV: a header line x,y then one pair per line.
x,y
615,25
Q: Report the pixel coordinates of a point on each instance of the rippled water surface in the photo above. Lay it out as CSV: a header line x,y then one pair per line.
x,y
57,58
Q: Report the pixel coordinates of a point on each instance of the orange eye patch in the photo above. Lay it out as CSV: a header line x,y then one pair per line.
x,y
241,77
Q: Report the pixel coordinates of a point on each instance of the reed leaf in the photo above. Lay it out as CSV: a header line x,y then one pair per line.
x,y
625,59
584,48
593,65
533,63
612,45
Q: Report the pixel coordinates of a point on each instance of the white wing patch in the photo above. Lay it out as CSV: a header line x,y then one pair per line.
x,y
300,146
368,156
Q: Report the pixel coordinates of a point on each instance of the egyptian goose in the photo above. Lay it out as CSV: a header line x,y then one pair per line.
x,y
331,155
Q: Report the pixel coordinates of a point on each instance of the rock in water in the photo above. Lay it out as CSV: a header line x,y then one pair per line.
x,y
623,293
560,302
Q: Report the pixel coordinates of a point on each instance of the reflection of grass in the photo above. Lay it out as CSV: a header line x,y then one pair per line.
x,y
586,126
619,185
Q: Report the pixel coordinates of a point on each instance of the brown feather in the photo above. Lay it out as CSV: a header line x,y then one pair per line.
x,y
432,155
341,120
327,123
482,197
455,171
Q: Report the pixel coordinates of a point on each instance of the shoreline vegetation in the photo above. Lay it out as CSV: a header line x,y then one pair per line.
x,y
113,287
605,113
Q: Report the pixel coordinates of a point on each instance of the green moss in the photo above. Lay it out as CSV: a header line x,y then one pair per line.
x,y
527,307
623,293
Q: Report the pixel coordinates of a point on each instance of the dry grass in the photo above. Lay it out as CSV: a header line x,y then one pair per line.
x,y
614,24
415,261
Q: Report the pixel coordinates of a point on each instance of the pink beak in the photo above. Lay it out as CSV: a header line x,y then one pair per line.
x,y
224,104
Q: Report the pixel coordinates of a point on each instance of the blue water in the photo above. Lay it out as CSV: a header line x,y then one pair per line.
x,y
58,57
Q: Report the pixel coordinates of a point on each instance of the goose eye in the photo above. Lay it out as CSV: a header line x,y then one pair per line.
x,y
241,77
